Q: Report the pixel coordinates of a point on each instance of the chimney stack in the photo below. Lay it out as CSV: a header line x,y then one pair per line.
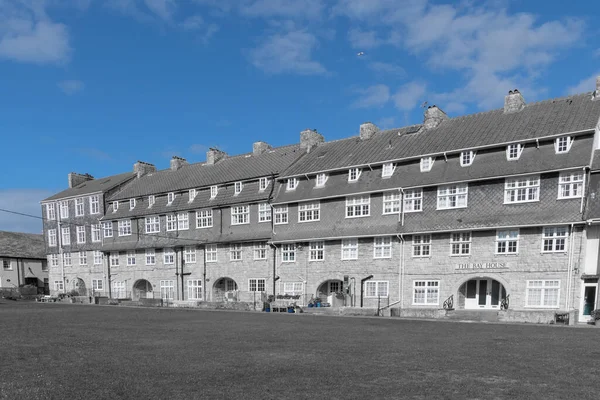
x,y
310,138
177,163
513,102
367,130
596,94
260,147
76,179
434,116
142,168
214,155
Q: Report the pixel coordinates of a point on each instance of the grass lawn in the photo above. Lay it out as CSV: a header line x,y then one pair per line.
x,y
64,351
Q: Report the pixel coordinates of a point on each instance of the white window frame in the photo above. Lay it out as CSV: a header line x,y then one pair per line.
x,y
211,253
281,215
189,255
236,252
170,198
459,241
288,252
124,226
255,284
260,251
192,195
204,219
168,256
358,206
427,163
387,170
65,236
467,158
354,174
152,224
107,229
321,179
391,203
382,247
527,187
544,286
94,204
59,286
450,197
131,204
183,221
563,144
292,288
67,259
413,200
375,289
507,242
80,234
167,289
570,185
97,257
291,184
118,290
194,289
50,211
79,207
150,256
171,222
263,184
83,258
349,249
264,212
151,200
240,215
214,190
96,237
309,212
114,259
316,251
64,209
97,285
421,246
131,258
557,237
54,260
238,186
115,206
427,288
514,151
52,237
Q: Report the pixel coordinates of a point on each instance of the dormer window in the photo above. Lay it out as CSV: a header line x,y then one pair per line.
x,y
563,144
192,195
170,198
387,170
426,164
321,179
513,151
115,206
292,183
238,187
131,204
353,174
151,200
466,158
263,183
213,191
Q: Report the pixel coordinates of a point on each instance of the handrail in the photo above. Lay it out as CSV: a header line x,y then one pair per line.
x,y
384,307
449,303
505,303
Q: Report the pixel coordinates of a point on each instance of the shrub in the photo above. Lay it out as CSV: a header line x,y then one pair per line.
x,y
595,314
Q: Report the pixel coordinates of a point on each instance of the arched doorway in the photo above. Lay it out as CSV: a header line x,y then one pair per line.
x,y
481,293
331,292
79,286
142,289
225,289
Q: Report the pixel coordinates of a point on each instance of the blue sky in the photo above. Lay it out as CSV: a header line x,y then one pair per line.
x,y
94,85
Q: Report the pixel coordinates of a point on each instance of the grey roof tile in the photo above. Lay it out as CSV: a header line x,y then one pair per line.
x,y
93,186
22,245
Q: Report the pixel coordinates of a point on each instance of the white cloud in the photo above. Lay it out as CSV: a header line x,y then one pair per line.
x,y
162,8
373,96
360,39
193,23
387,68
311,9
386,123
70,87
409,95
288,52
25,201
585,85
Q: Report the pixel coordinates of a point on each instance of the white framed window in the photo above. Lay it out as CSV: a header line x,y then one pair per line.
x,y
349,249
391,203
115,206
67,260
452,196
570,185
309,211
167,289
97,284
543,293
382,247
260,251
316,251
413,200
96,233
50,211
54,260
522,189
124,226
387,170
358,206
150,257
80,234
354,174
107,229
59,286
321,179
151,201
66,236
507,241
427,164
204,219
264,212
460,243
114,259
183,221
131,258
94,204
189,255
240,215
83,258
238,187
426,292
377,289
256,284
421,245
79,211
64,209
214,190
466,158
563,144
192,196
170,198
194,289
131,204
291,183
288,252
263,183
171,222
281,215
152,224
51,237
554,239
235,251
118,290
169,256
97,257
513,151
292,288
210,253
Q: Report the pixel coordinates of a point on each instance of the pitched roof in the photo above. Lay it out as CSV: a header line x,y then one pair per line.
x,y
22,245
229,169
542,119
93,186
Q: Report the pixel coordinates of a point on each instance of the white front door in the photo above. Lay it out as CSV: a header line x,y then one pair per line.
x,y
588,300
483,294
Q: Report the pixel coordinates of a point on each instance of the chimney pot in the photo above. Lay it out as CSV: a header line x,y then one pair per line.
x,y
214,155
367,130
310,138
76,179
177,163
513,102
142,168
434,116
260,147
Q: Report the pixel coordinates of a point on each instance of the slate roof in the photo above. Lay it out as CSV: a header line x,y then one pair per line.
x,y
93,186
595,161
22,245
236,168
536,120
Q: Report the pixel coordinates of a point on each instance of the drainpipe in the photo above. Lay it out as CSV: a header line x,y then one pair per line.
x,y
204,276
59,243
401,206
274,267
584,190
362,288
401,271
570,268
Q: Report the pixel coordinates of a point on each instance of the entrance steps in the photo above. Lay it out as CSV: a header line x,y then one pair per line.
x,y
473,315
